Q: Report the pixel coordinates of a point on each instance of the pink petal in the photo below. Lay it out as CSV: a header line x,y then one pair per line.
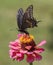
x,y
23,51
14,48
39,50
29,53
30,58
41,43
15,45
28,47
19,35
20,57
38,57
19,54
12,54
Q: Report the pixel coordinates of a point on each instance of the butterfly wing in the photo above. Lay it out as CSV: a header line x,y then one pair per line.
x,y
29,19
29,12
20,18
28,15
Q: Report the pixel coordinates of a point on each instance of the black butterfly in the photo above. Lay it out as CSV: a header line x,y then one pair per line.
x,y
26,20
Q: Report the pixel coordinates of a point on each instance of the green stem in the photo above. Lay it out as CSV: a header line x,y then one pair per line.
x,y
31,63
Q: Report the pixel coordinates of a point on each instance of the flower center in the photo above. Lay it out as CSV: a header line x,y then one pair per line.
x,y
27,42
26,38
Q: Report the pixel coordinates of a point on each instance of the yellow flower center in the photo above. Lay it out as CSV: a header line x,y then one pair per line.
x,y
26,38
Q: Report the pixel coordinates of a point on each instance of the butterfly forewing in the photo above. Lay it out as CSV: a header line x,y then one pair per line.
x,y
29,12
28,15
20,17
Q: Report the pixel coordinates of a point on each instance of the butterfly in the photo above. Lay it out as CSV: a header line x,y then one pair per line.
x,y
26,20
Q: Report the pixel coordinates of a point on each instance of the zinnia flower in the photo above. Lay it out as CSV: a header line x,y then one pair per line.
x,y
25,45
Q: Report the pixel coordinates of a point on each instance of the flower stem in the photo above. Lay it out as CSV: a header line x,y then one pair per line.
x,y
31,63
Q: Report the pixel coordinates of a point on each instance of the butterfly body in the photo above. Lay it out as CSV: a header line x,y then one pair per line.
x,y
26,20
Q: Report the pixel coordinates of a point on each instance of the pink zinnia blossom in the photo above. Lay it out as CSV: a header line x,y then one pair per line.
x,y
25,45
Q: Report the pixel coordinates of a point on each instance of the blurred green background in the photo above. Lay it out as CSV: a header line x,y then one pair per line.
x,y
43,10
